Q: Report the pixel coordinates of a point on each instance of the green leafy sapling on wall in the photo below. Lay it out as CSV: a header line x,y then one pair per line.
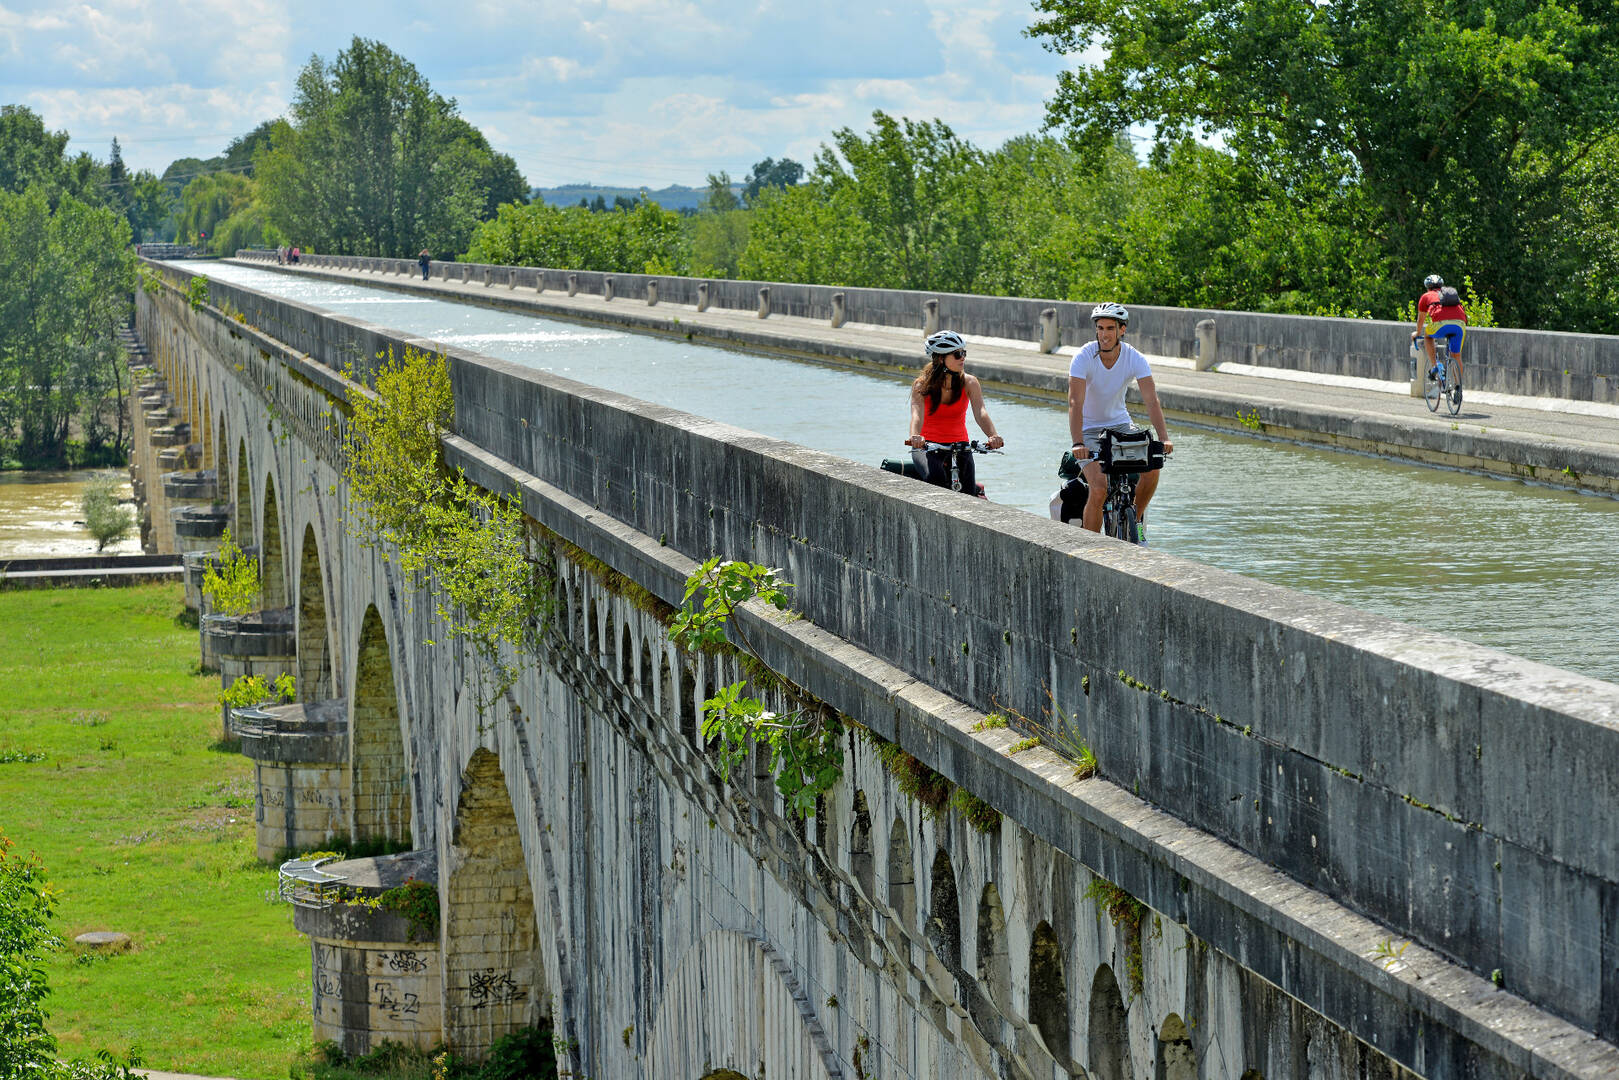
x,y
231,581
805,743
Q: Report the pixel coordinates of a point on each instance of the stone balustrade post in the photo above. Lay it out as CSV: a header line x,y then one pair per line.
x,y
607,287
573,284
1050,333
1208,345
839,310
930,317
764,302
652,294
488,276
702,296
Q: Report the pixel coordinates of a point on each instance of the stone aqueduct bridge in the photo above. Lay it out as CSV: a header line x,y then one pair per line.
x,y
1363,849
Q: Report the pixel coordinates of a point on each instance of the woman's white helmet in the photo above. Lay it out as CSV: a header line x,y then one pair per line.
x,y
944,342
1110,310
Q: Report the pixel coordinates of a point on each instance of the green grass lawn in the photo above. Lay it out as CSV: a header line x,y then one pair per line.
x,y
145,825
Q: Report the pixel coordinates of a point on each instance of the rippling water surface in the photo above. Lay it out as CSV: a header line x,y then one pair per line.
x,y
40,515
1518,567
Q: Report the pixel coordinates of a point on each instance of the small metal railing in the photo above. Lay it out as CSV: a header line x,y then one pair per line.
x,y
303,882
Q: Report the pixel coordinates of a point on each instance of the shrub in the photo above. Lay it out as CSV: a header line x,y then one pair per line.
x,y
107,519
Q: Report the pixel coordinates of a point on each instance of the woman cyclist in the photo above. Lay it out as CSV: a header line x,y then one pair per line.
x,y
939,400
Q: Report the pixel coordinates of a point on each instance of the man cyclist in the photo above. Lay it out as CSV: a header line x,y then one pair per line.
x,y
1447,319
1430,296
1097,380
939,399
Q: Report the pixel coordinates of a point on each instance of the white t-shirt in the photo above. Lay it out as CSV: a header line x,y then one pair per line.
x,y
1105,386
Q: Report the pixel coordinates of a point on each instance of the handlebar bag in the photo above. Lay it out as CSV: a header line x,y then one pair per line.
x,y
1133,453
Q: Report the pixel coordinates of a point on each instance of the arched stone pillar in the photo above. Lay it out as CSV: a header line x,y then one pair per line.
x,y
378,774
731,1004
1109,1043
274,572
315,679
243,530
494,979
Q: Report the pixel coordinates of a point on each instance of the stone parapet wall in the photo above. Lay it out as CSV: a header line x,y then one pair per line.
x,y
1273,723
1535,363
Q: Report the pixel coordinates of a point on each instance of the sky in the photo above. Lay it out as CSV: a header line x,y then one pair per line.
x,y
616,92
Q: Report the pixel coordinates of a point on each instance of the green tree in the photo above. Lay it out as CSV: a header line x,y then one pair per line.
x,y
26,905
719,231
104,516
30,154
770,173
644,240
1450,134
373,162
65,276
209,200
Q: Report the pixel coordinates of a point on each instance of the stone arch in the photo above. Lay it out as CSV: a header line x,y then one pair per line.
x,y
901,880
205,433
994,962
626,658
762,1025
1109,1047
244,534
646,670
274,575
219,455
1177,1060
609,639
590,628
861,863
315,680
1048,992
378,778
494,978
944,912
564,612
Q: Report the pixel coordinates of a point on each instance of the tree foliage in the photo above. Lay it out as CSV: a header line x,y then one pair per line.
x,y
373,162
65,276
106,518
645,239
469,546
1431,132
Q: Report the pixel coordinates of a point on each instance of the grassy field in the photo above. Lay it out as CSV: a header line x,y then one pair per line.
x,y
111,772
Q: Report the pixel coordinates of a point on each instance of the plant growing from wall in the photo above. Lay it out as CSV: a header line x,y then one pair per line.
x,y
471,547
231,580
805,741
197,292
1126,913
250,690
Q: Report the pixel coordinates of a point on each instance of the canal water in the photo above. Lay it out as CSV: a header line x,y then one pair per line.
x,y
1514,566
40,515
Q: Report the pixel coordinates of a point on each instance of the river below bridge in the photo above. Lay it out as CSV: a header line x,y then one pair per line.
x,y
1515,566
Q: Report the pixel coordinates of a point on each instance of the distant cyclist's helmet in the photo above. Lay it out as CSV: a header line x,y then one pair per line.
x,y
1432,281
944,343
1110,310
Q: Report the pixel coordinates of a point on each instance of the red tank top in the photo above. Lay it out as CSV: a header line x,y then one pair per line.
x,y
947,423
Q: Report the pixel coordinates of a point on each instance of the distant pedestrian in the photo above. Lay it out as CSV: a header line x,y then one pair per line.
x,y
295,254
425,261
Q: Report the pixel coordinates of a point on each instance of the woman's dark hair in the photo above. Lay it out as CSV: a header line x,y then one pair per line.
x,y
931,383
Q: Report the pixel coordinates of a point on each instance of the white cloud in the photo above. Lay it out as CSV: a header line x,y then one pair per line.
x,y
620,91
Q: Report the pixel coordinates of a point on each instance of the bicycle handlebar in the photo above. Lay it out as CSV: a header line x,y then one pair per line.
x,y
975,446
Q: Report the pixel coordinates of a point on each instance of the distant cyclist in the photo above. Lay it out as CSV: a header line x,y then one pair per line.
x,y
939,400
1097,380
1447,321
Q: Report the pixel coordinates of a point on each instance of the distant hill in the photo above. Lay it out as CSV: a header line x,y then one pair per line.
x,y
674,197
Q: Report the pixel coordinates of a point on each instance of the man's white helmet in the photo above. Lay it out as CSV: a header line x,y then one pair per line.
x,y
1110,310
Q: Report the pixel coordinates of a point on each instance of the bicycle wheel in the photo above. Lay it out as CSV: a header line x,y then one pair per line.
x,y
1432,391
1129,532
1453,389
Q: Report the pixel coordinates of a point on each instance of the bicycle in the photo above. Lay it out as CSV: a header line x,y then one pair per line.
x,y
1123,459
1444,381
908,467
